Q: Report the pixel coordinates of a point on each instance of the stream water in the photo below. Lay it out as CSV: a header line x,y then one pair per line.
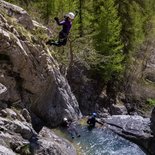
x,y
101,141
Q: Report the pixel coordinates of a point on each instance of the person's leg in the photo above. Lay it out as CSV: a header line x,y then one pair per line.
x,y
71,132
76,132
61,41
50,42
64,42
56,43
62,38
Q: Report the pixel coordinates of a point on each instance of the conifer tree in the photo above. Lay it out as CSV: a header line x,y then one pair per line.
x,y
137,24
81,17
47,8
107,40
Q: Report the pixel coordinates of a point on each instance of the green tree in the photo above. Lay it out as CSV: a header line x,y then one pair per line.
x,y
47,9
137,18
107,41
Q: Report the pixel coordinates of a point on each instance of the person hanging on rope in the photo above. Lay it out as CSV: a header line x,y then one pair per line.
x,y
63,34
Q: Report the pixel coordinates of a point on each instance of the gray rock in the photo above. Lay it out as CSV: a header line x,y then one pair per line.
x,y
26,115
3,91
23,128
3,105
6,151
118,109
3,113
134,125
53,145
134,128
42,83
42,27
85,89
11,113
19,136
20,14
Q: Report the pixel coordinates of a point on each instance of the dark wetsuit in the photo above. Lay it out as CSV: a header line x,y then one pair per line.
x,y
63,34
92,121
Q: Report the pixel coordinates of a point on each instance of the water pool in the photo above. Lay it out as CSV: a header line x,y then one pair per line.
x,y
101,141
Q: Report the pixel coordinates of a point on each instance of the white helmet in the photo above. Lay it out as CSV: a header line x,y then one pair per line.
x,y
71,15
65,119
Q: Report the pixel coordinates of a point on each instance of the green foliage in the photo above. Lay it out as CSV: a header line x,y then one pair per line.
x,y
151,101
25,150
134,16
105,32
137,20
107,40
46,9
39,34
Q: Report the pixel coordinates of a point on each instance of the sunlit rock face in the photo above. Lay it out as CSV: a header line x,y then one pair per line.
x,y
19,13
30,74
30,85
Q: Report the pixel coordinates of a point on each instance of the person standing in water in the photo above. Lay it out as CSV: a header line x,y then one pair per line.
x,y
71,127
92,121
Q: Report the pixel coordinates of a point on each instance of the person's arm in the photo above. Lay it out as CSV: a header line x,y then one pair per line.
x,y
76,13
58,22
88,121
99,122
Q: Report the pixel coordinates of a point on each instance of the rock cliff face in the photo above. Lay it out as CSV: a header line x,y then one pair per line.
x,y
30,79
29,72
84,87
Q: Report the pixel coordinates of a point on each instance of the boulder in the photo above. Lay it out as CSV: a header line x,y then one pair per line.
x,y
11,113
26,115
3,113
134,128
51,144
118,109
24,129
6,151
19,13
18,137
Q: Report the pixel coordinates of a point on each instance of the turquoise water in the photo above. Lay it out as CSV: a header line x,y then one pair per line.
x,y
102,141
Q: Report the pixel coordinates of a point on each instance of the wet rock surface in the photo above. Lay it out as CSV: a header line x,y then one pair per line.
x,y
134,128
